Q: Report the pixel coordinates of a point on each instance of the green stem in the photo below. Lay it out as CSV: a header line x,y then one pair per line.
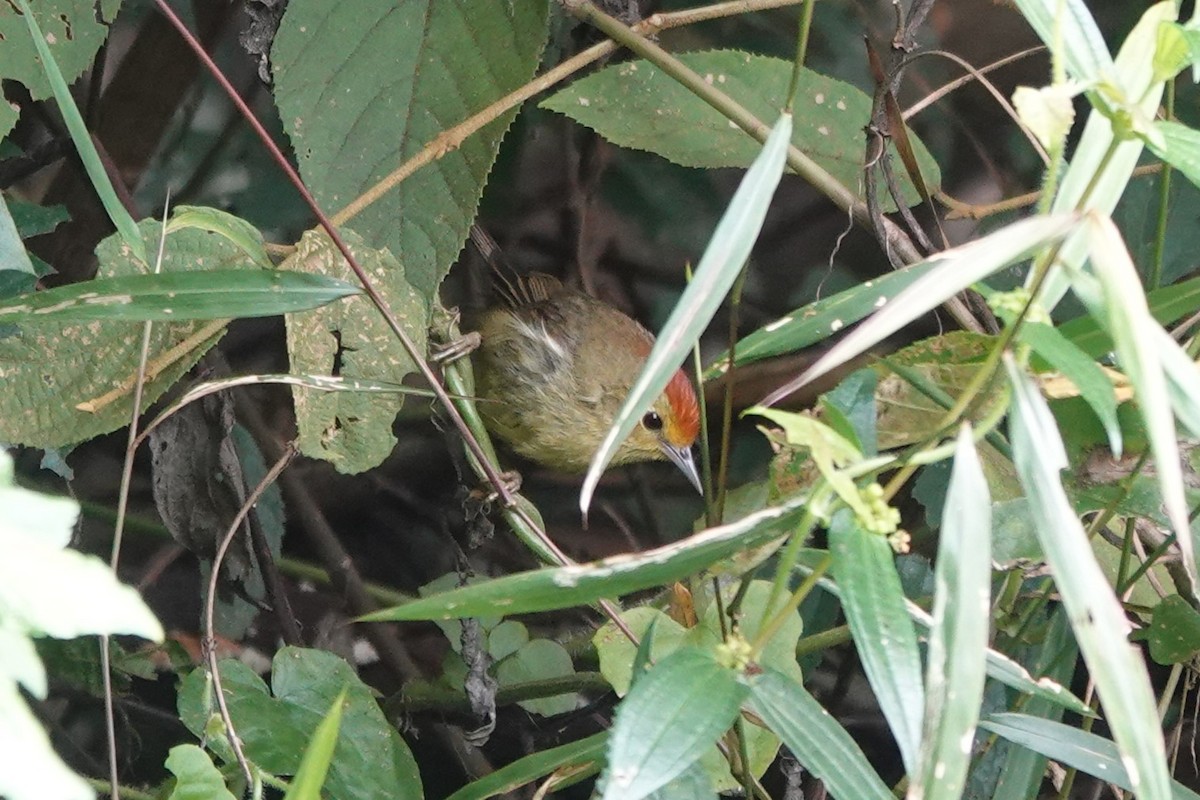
x,y
806,18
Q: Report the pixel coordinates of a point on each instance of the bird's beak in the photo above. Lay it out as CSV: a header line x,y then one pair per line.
x,y
682,458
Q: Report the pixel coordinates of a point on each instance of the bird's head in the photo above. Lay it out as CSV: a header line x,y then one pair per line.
x,y
668,430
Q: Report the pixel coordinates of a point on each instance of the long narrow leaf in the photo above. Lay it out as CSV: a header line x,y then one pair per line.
x,y
955,270
719,267
1102,163
1076,748
176,296
815,738
959,636
83,141
1070,22
999,666
1139,348
883,633
314,765
563,587
1096,616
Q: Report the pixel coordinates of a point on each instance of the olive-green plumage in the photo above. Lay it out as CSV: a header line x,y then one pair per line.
x,y
555,365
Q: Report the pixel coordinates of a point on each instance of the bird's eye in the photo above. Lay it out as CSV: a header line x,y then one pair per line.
x,y
652,421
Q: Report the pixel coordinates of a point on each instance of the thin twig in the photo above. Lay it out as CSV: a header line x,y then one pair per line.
x,y
114,558
210,602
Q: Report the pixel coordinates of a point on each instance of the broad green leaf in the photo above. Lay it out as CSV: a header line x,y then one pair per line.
x,y
618,658
1174,632
958,639
351,340
361,89
815,738
73,31
951,271
275,729
1094,387
635,105
618,655
34,220
563,587
540,659
582,757
883,633
1076,748
196,777
13,257
723,260
660,729
314,766
1095,614
166,296
66,383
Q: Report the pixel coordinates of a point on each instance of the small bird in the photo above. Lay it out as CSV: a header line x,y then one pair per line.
x,y
554,366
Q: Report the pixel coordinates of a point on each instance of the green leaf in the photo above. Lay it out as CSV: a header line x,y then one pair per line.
x,y
69,382
1096,615
196,778
1167,305
1179,146
73,30
1068,27
238,231
351,339
34,532
883,633
371,760
660,729
1173,52
958,639
539,660
1123,311
952,271
722,262
563,587
585,755
635,105
1103,160
121,218
345,73
1174,633
817,321
619,656
1093,385
166,296
13,257
1076,748
815,738
314,766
